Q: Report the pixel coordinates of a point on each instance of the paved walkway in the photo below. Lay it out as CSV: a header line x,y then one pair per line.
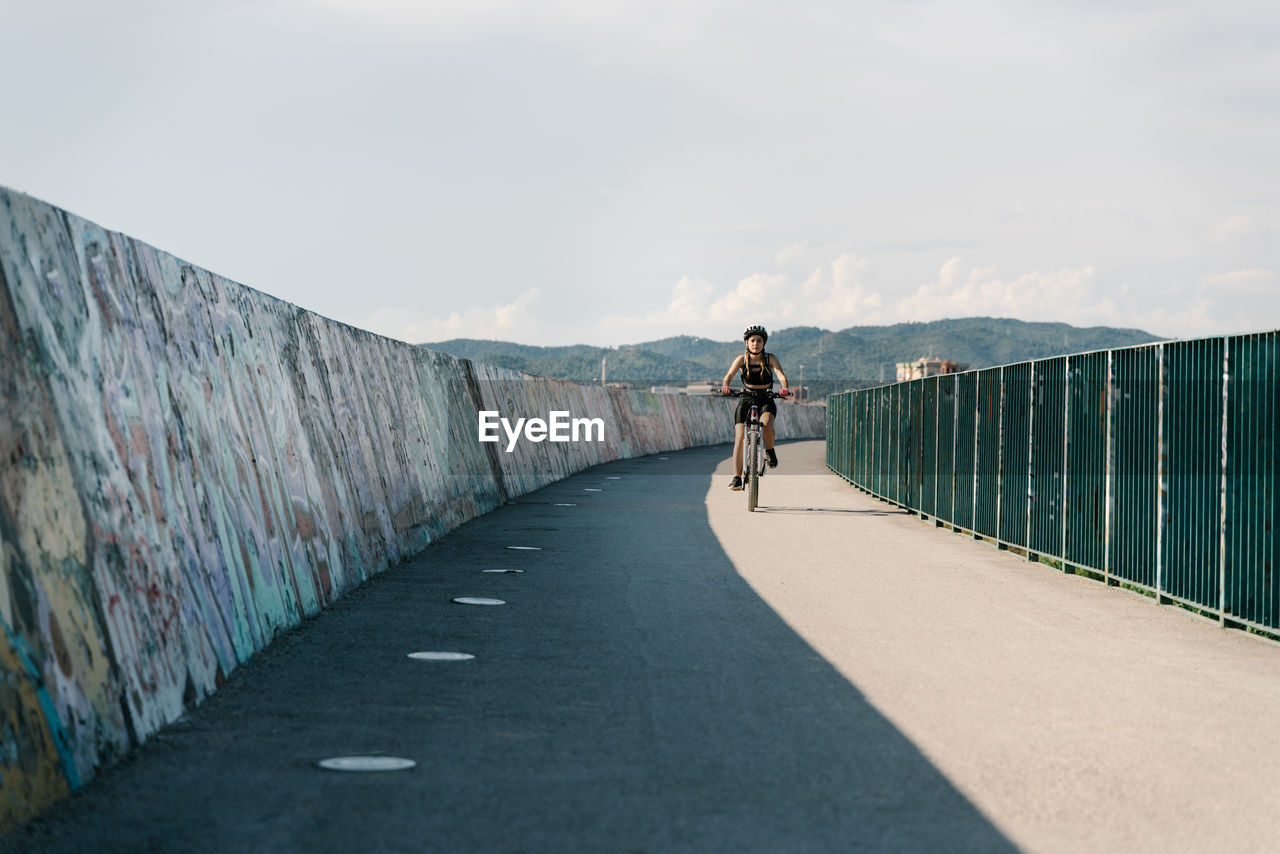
x,y
671,673
1073,716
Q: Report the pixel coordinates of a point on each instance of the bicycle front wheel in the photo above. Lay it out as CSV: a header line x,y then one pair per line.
x,y
752,471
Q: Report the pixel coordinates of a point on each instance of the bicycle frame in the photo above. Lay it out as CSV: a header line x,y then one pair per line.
x,y
753,459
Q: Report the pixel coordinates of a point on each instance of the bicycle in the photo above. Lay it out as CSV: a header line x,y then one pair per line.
x,y
753,458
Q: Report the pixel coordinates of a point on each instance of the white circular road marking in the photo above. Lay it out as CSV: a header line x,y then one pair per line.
x,y
441,656
525,548
366,763
478,600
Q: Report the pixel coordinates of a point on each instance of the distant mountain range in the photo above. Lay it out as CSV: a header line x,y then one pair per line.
x,y
851,358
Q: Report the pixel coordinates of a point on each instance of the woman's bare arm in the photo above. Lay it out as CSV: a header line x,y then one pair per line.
x,y
777,369
733,369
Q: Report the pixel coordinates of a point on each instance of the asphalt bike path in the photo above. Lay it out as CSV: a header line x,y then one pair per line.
x,y
634,693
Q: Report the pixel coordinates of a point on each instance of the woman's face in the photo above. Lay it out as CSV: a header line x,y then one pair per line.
x,y
755,343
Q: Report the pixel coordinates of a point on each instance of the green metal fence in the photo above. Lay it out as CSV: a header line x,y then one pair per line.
x,y
1155,466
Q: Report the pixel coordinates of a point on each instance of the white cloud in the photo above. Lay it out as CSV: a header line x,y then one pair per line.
x,y
847,299
832,296
508,322
688,301
1257,233
1071,296
756,295
1245,281
686,313
792,252
839,294
1081,297
1242,225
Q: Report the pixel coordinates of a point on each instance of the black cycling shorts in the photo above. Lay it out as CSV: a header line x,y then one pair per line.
x,y
744,407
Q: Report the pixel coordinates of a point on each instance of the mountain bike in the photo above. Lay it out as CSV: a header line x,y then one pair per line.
x,y
753,458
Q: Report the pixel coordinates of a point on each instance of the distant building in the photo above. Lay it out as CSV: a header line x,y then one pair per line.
x,y
701,388
927,366
665,389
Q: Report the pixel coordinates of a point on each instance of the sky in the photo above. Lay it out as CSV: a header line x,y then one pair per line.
x,y
610,173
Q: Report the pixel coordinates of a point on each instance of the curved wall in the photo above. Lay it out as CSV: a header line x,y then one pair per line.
x,y
189,467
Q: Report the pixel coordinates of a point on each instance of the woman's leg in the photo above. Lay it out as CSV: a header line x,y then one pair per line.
x,y
739,430
766,418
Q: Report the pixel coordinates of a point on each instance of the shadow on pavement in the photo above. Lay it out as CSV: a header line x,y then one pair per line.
x,y
633,694
821,511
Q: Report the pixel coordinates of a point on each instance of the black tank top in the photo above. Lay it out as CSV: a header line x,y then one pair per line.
x,y
757,374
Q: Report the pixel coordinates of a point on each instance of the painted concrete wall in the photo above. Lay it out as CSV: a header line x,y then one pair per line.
x,y
189,467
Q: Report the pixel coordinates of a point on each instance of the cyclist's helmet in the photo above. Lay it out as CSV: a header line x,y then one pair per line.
x,y
756,330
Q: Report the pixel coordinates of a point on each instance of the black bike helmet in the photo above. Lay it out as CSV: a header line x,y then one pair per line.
x,y
756,330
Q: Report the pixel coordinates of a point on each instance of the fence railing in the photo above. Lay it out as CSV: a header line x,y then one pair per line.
x,y
1153,466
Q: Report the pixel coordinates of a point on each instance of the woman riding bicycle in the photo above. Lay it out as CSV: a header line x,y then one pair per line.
x,y
758,370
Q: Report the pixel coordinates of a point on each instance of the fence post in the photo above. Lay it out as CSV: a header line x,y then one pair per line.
x,y
1066,455
1031,445
937,419
891,422
1222,495
955,444
977,462
1108,502
1162,485
1000,544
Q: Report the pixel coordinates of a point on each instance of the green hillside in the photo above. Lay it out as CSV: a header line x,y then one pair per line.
x,y
853,357
635,364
